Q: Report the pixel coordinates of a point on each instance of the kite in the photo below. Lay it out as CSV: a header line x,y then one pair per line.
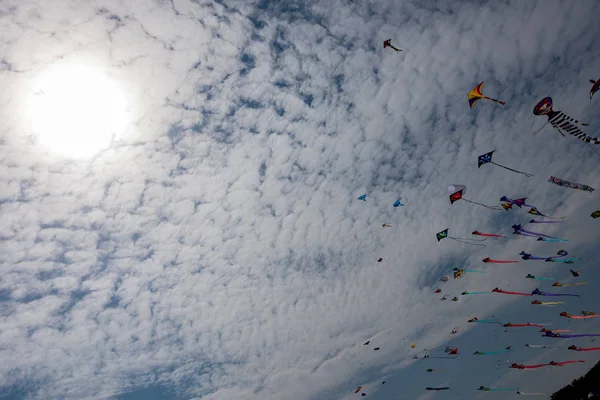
x,y
551,240
519,230
560,120
398,204
466,293
539,346
388,43
559,336
363,197
438,291
386,226
358,389
522,325
546,303
475,95
366,343
453,351
444,298
538,292
454,298
588,312
535,211
460,272
595,214
566,314
533,221
454,330
376,348
506,206
531,394
379,259
558,284
517,202
444,234
487,389
573,347
489,260
574,273
412,346
572,185
528,256
484,321
595,87
444,278
539,278
435,370
487,234
496,290
487,158
456,192
437,388
544,330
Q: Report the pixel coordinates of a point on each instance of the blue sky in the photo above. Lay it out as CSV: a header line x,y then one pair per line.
x,y
216,249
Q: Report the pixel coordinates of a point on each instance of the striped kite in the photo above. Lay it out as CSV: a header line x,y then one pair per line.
x,y
560,120
475,95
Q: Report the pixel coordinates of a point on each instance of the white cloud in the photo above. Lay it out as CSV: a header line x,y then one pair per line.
x,y
218,249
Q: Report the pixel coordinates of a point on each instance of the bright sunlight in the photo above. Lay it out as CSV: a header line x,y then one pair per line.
x,y
76,110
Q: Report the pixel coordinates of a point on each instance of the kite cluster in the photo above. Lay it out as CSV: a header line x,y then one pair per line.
x,y
563,123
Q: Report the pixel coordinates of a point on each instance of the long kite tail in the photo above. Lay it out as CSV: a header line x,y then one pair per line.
x,y
483,205
541,278
496,100
586,349
522,325
514,293
574,336
487,234
549,303
572,284
551,240
485,353
583,316
513,170
535,366
559,294
531,394
466,293
560,364
533,221
490,261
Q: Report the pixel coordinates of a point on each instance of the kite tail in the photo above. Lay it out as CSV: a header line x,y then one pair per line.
x,y
501,261
477,293
513,170
551,303
569,362
497,101
495,352
531,394
575,284
501,389
472,270
589,349
537,234
515,293
561,294
533,221
552,240
483,205
541,278
466,241
488,234
583,316
581,335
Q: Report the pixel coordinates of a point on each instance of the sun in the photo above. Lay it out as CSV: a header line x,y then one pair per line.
x,y
76,110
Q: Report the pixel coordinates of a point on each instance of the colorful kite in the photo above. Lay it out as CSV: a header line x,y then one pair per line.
x,y
484,321
566,314
363,197
558,284
487,389
538,292
438,291
547,303
573,347
388,43
437,388
533,221
519,230
398,204
460,272
444,234
555,335
487,158
487,234
490,261
551,240
539,278
506,206
535,211
572,185
560,120
475,95
456,192
517,202
595,87
496,290
510,324
595,214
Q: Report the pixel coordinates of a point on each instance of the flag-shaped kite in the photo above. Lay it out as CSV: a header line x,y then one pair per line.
x,y
560,120
397,203
388,43
444,234
456,192
487,158
475,95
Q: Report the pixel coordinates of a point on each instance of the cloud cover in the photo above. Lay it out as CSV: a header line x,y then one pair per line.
x,y
217,250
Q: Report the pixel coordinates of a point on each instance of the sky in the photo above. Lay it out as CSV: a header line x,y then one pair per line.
x,y
215,248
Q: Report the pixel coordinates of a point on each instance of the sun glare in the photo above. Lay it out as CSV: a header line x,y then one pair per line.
x,y
76,111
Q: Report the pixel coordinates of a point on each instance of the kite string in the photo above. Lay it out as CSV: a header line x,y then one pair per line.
x,y
481,204
541,127
513,170
465,242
